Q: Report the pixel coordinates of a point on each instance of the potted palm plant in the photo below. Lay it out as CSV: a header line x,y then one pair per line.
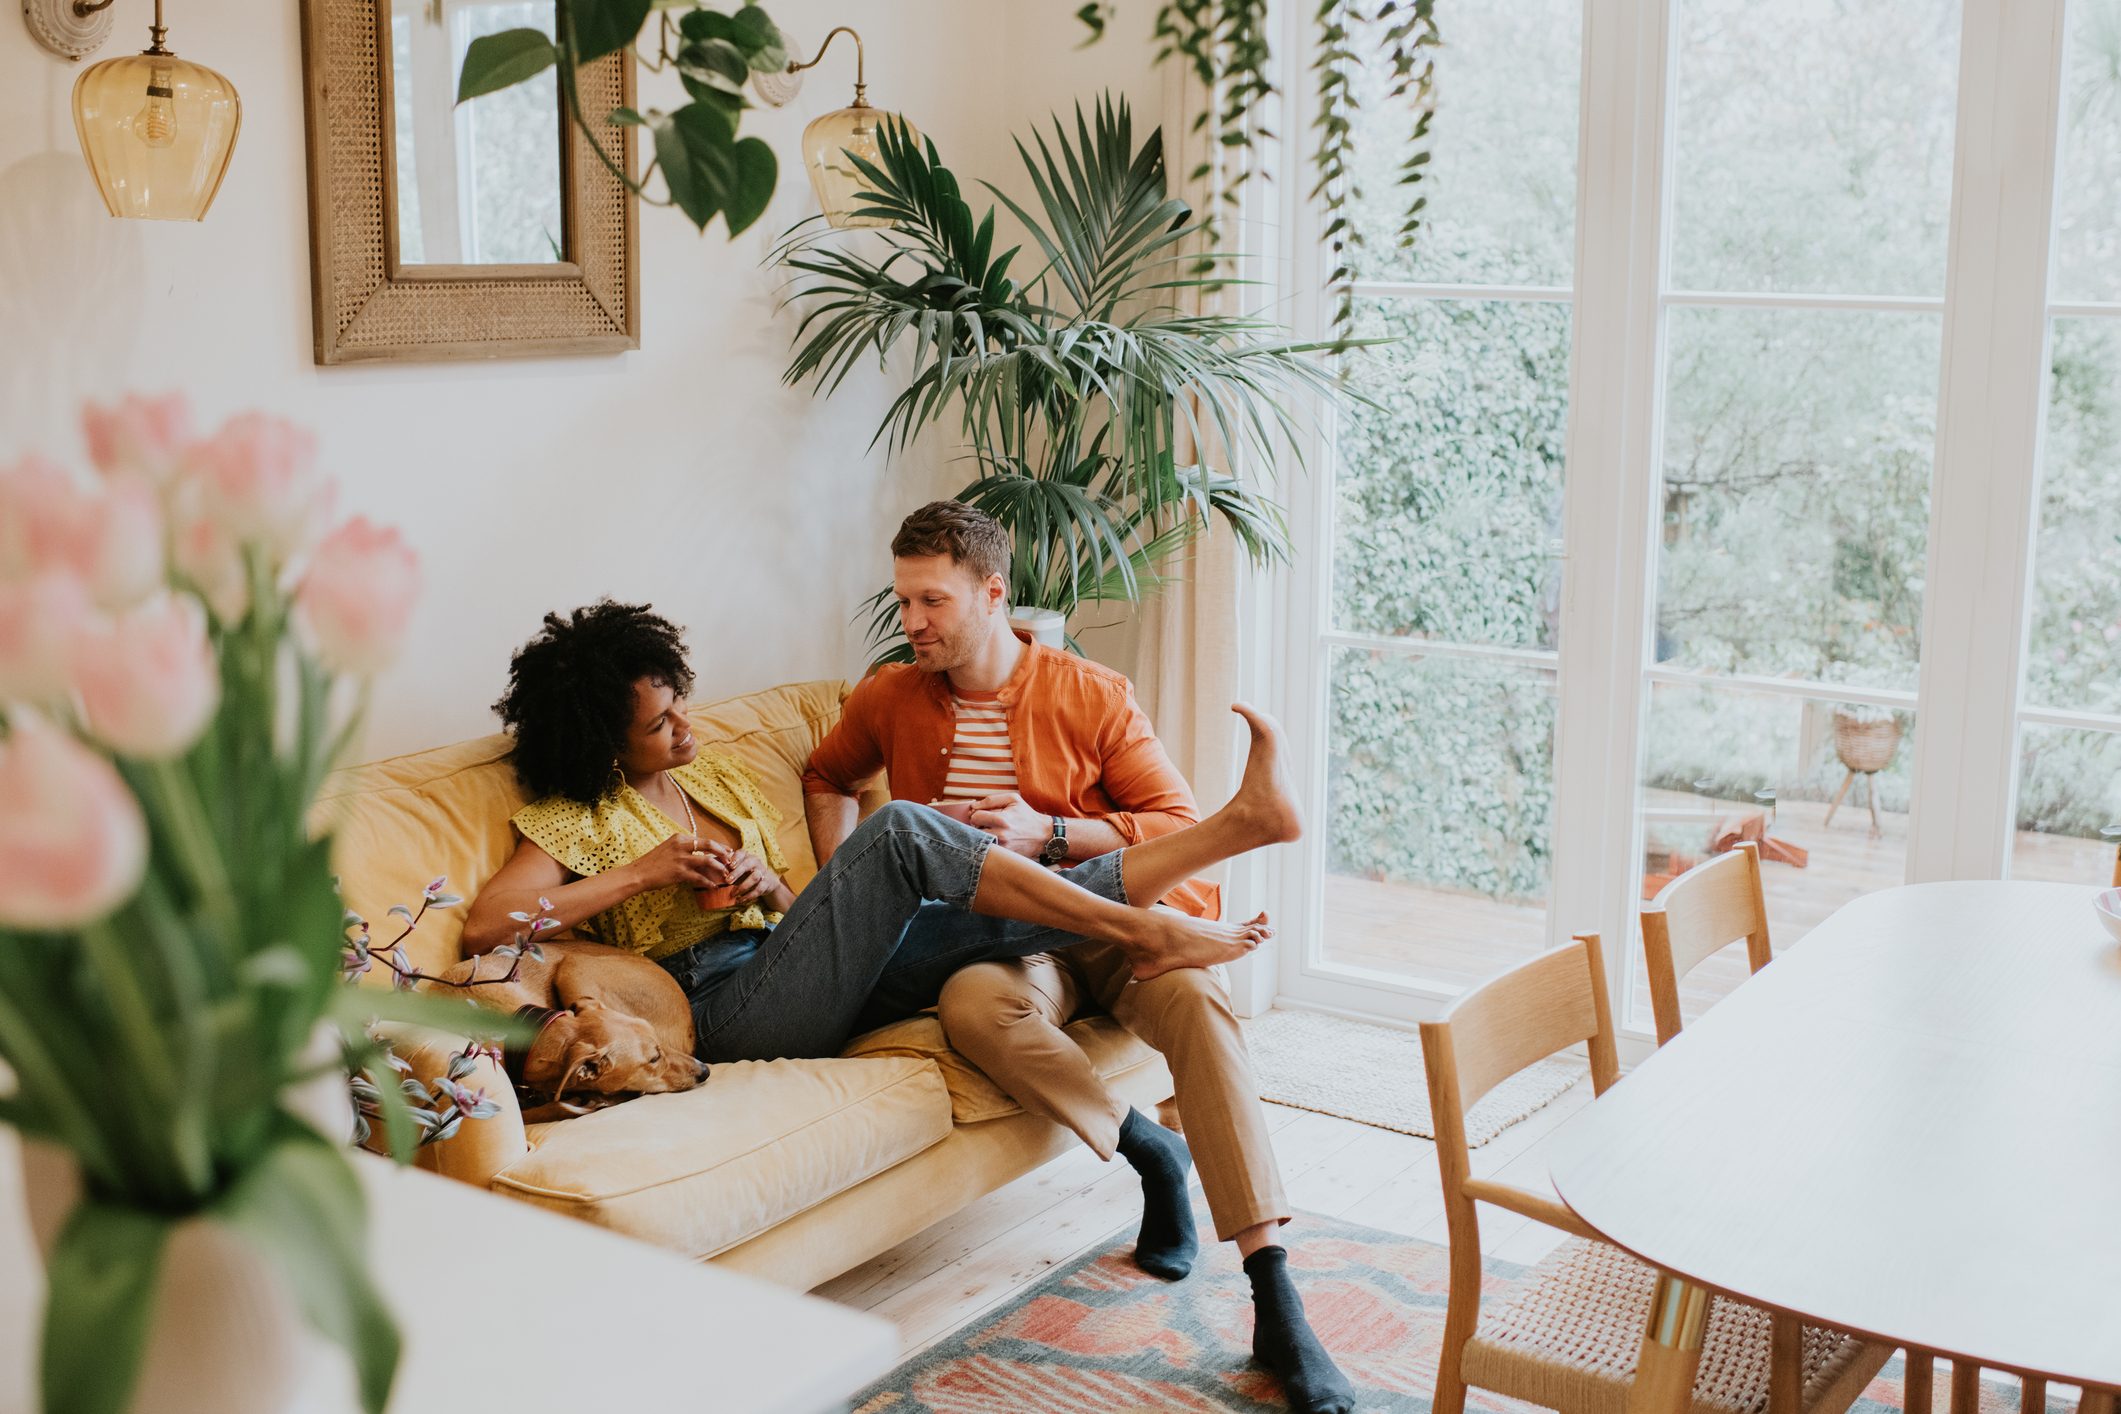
x,y
1109,408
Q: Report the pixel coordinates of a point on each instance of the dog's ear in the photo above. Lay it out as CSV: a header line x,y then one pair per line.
x,y
587,1004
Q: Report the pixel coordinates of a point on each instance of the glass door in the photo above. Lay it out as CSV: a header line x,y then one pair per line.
x,y
1432,621
2067,824
1809,199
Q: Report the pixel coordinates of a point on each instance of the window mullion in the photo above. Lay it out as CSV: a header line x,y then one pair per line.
x,y
1990,410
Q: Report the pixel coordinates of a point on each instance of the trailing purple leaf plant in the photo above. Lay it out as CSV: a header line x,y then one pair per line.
x,y
381,1081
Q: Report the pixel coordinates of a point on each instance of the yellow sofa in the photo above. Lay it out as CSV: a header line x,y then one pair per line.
x,y
793,1170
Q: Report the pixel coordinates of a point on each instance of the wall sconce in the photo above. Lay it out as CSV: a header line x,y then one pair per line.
x,y
157,130
829,139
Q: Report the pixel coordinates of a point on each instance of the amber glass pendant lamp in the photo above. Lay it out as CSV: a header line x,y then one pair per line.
x,y
157,130
829,140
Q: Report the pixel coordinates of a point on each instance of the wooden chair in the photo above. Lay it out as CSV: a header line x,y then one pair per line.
x,y
1569,1337
1698,914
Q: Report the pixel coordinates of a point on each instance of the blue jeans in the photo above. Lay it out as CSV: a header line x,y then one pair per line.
x,y
871,939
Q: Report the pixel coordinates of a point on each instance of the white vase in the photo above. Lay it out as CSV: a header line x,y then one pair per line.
x,y
225,1338
1044,625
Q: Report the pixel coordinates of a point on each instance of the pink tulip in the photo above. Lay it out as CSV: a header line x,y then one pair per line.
x,y
110,537
206,557
125,560
356,600
46,521
73,843
148,679
39,622
258,480
138,436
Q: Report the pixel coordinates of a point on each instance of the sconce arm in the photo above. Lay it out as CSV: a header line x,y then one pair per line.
x,y
795,67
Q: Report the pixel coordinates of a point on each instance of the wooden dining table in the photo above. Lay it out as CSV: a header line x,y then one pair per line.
x,y
1908,1127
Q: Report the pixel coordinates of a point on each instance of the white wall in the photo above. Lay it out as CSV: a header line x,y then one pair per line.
x,y
683,473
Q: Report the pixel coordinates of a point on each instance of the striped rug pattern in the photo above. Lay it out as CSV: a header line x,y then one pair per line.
x,y
1098,1336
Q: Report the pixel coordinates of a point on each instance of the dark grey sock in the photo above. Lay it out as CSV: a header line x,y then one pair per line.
x,y
1284,1342
1166,1245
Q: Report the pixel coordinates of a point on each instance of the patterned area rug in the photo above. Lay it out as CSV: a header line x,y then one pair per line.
x,y
1373,1075
1098,1336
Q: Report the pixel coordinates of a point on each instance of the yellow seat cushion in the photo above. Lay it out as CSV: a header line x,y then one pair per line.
x,y
1112,1048
757,1144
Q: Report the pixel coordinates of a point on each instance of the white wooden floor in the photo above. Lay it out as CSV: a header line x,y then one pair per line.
x,y
934,1283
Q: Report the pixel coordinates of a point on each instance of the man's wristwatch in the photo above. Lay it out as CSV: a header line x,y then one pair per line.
x,y
1056,848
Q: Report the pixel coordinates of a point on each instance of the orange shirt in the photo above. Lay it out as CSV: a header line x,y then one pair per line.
x,y
1083,749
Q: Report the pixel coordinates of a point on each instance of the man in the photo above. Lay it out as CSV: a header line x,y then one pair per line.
x,y
1051,755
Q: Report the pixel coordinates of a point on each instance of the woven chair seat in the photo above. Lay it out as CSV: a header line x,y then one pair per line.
x,y
1569,1338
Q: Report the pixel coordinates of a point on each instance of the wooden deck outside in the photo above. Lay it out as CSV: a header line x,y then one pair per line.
x,y
1457,939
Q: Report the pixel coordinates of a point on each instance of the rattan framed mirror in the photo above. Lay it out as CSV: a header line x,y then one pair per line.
x,y
433,238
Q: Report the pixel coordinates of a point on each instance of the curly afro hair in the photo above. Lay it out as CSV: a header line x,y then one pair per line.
x,y
569,702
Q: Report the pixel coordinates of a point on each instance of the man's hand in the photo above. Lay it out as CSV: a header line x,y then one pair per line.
x,y
1015,826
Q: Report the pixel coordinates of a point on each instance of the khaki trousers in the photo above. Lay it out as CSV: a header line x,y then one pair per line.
x,y
1006,1018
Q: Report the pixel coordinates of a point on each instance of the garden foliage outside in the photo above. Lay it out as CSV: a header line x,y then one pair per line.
x,y
1797,443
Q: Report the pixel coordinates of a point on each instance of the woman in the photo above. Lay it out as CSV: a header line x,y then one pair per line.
x,y
630,821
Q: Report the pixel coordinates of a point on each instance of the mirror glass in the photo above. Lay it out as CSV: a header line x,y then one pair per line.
x,y
477,184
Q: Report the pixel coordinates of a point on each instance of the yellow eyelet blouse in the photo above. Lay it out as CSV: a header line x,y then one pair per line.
x,y
620,828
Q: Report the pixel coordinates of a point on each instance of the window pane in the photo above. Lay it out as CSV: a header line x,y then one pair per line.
x,y
1501,185
1806,778
2069,806
1440,791
1796,493
2074,655
1812,145
2088,189
510,160
1447,498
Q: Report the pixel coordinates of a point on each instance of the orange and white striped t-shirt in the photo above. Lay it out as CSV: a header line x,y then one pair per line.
x,y
980,759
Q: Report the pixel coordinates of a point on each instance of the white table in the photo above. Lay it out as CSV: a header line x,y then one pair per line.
x,y
570,1319
1908,1127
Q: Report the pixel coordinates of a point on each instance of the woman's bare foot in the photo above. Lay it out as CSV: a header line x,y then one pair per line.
x,y
1160,940
1264,805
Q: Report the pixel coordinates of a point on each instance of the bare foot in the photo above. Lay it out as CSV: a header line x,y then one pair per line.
x,y
1163,940
1264,803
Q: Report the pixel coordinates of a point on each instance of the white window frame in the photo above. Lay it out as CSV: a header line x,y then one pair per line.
x,y
1984,489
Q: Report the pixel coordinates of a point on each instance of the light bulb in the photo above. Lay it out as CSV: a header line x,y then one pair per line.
x,y
156,122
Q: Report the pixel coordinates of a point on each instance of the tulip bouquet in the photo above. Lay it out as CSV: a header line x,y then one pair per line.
x,y
185,640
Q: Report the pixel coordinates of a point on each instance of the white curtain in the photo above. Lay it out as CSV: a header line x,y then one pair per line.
x,y
1187,654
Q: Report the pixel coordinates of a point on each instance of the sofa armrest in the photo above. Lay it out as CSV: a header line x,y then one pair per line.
x,y
480,1148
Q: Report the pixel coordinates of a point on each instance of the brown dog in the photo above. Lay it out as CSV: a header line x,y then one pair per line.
x,y
611,1023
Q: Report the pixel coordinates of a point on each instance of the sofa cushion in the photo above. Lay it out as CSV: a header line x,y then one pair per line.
x,y
403,821
1113,1050
757,1144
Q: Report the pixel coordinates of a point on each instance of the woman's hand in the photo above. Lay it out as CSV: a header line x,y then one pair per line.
x,y
682,861
746,873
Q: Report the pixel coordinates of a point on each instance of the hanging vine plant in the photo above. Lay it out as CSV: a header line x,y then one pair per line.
x,y
709,169
1225,43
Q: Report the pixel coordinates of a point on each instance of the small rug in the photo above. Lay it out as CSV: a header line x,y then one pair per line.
x,y
1373,1075
1099,1336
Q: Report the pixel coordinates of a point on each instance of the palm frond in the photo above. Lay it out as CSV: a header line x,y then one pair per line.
x,y
1110,423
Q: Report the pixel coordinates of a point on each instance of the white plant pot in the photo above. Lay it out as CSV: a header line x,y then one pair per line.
x,y
1044,625
225,1338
